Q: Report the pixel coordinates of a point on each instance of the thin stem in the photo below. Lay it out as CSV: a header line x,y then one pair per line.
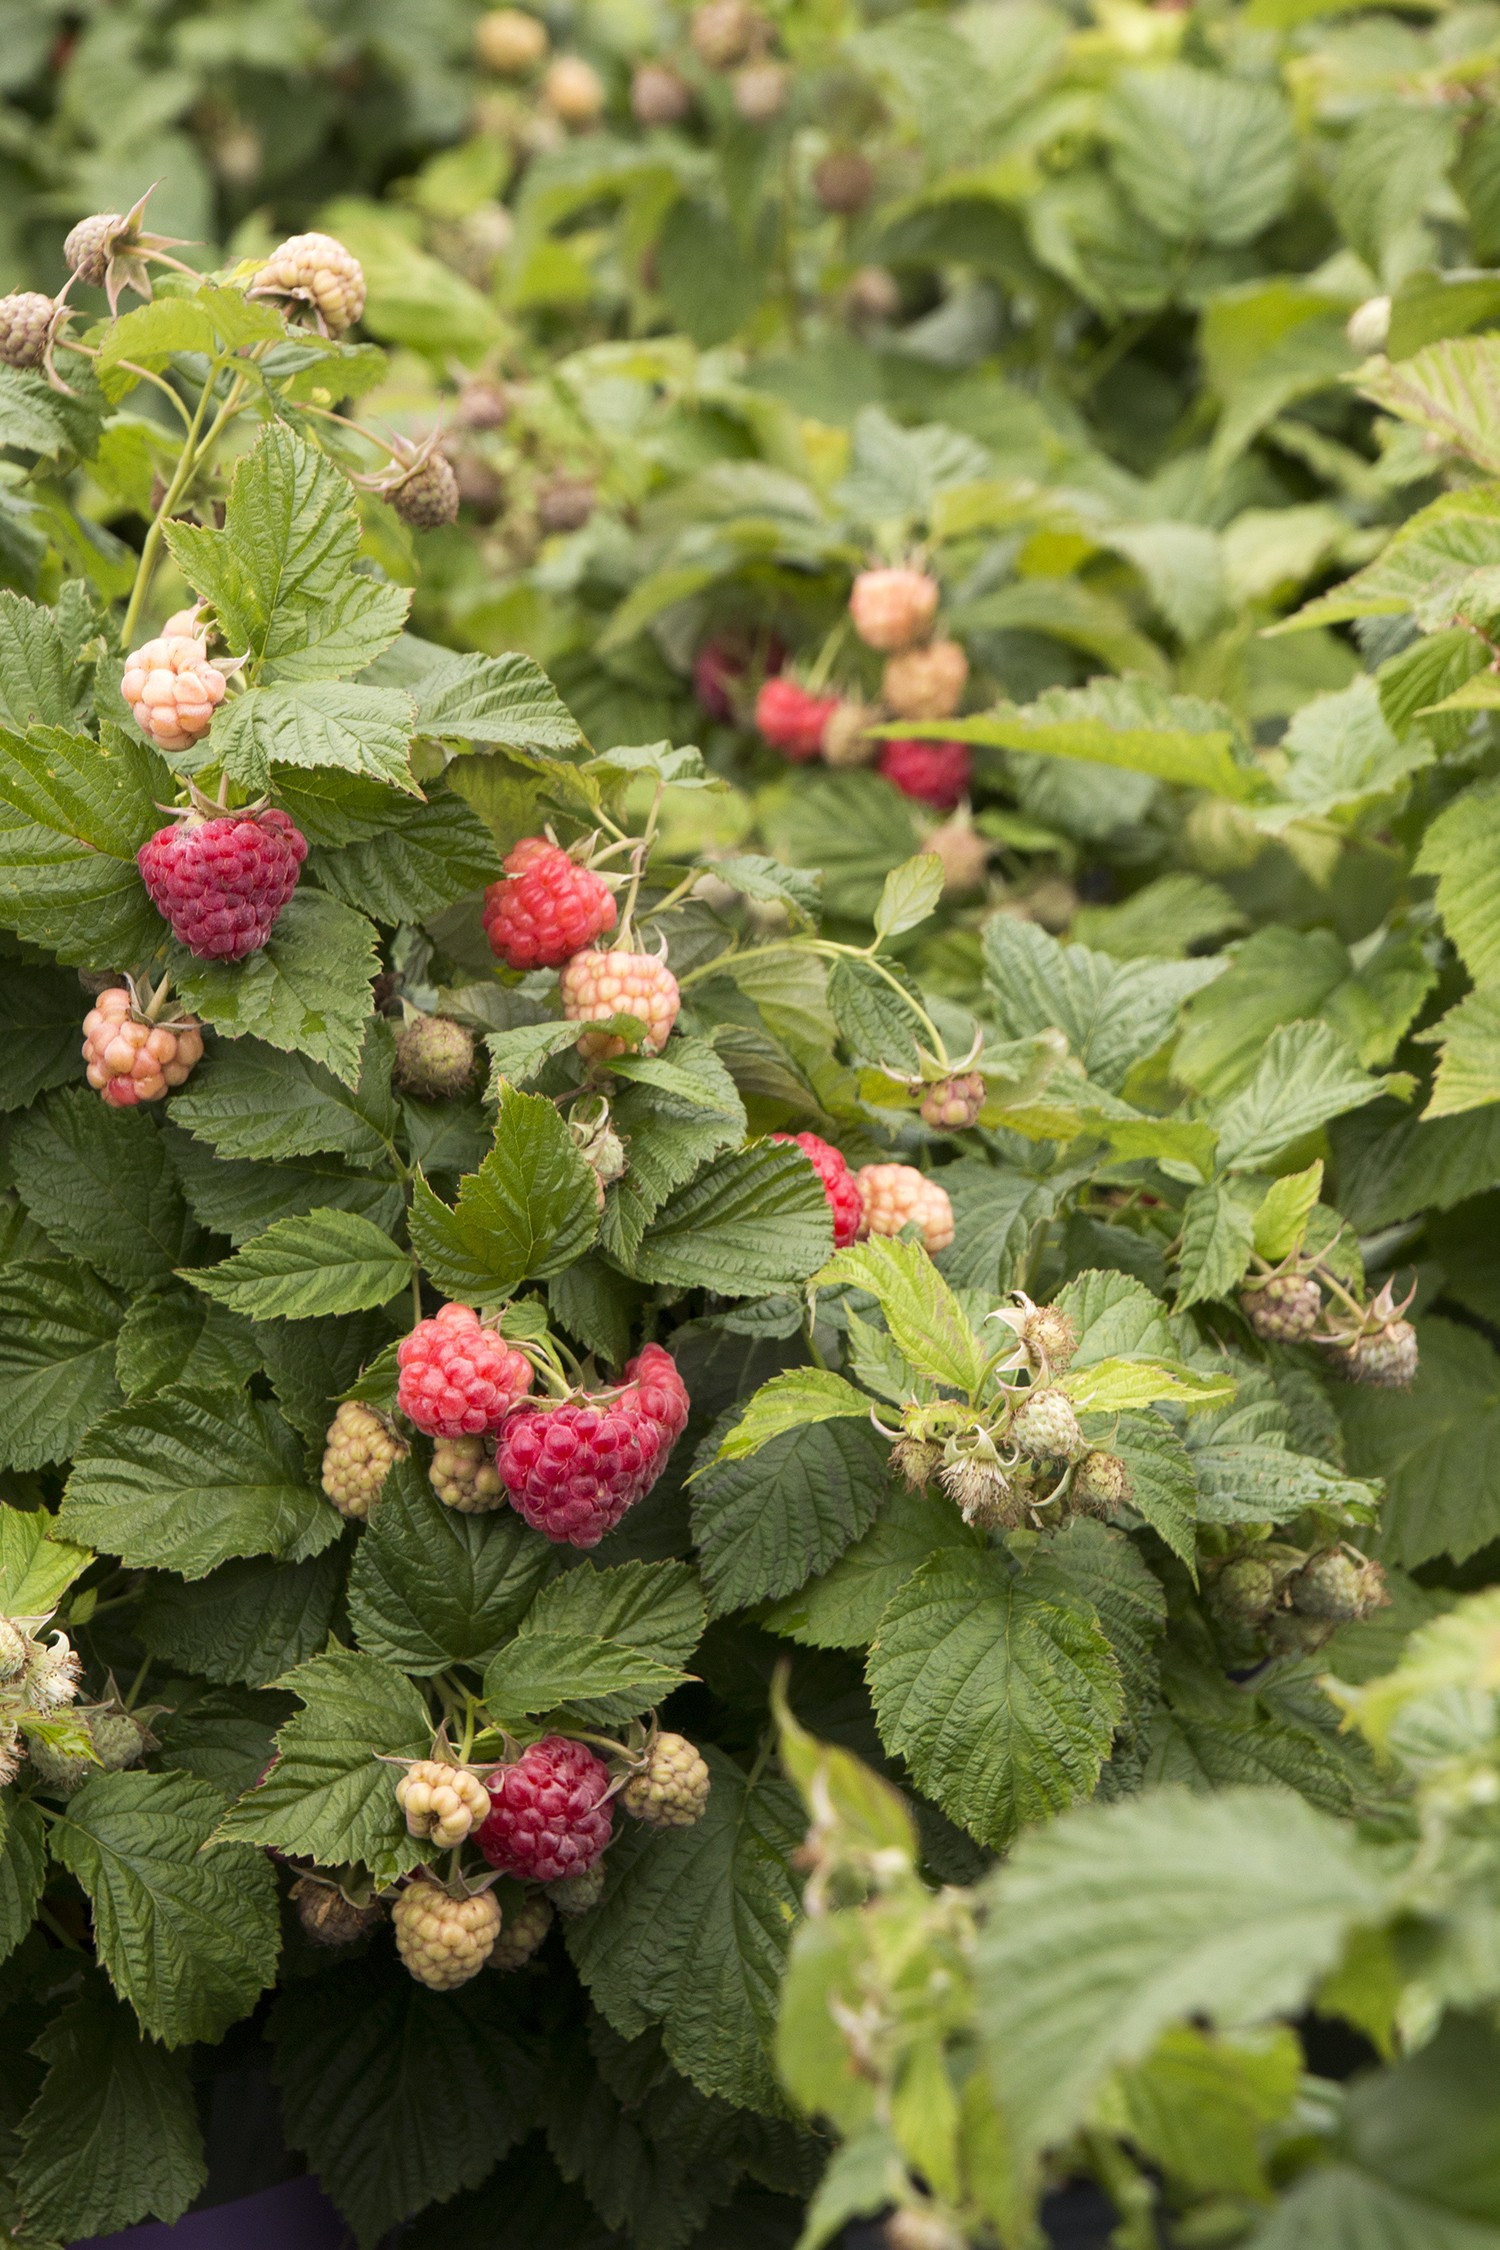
x,y
642,854
193,453
416,1289
138,1682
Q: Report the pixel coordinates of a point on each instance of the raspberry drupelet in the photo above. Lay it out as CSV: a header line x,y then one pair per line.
x,y
547,908
458,1379
551,1812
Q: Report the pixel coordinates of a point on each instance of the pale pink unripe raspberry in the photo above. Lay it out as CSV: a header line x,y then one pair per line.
x,y
359,1453
573,90
173,691
759,91
441,1801
444,1940
723,32
671,1788
458,1378
892,608
926,683
953,1103
131,1060
596,986
317,271
658,96
464,1476
897,1195
183,624
965,855
847,740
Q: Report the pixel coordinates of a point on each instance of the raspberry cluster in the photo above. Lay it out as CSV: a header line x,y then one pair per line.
x,y
425,494
596,986
573,1469
434,1058
458,1378
894,607
25,325
1045,1426
1386,1360
316,271
222,883
547,908
1283,1309
360,1452
839,1184
551,1813
327,1916
953,1103
172,689
671,1789
441,1801
793,720
131,1059
932,773
444,1940
897,1195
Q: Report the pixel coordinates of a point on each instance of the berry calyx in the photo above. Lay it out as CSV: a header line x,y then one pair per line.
x,y
434,1059
1283,1309
129,1058
897,1195
1047,1336
173,690
316,271
596,986
573,1469
360,1452
441,1801
791,719
523,1927
551,1813
546,908
464,1477
1045,1426
839,1184
442,1939
953,1103
110,250
926,683
892,608
458,1378
670,1790
986,1496
931,773
327,1916
222,882
1101,1484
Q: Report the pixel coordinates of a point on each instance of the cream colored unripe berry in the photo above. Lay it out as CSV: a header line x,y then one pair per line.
x,y
894,1196
596,986
441,1801
444,1940
173,690
464,1477
510,42
926,683
573,90
893,607
359,1454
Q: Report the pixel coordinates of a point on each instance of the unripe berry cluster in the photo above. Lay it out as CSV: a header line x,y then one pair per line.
x,y
129,1058
894,1196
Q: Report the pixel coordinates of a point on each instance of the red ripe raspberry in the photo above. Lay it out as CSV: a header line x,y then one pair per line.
x,y
458,1379
792,720
132,1060
893,608
935,773
221,883
596,986
573,1470
661,1394
550,1813
839,1184
547,908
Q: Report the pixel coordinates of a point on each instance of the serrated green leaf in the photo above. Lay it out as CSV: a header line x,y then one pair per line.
x,y
248,1100
927,1323
241,1200
36,1570
1120,1920
609,1642
506,700
875,1023
100,1182
1462,849
692,1934
186,1480
431,1587
1281,1219
39,1024
188,1937
1001,1699
753,1223
307,990
58,1327
1115,1386
1468,1072
763,1526
910,893
1163,1487
245,1623
1217,1241
843,1607
1116,1317
328,1797
73,814
427,856
23,1869
113,2135
338,723
1437,1446
302,1268
1114,1013
519,1055
1305,1076
174,1337
1202,156
1129,723
529,1210
792,1401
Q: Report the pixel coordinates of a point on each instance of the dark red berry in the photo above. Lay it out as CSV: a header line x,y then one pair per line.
x,y
550,1812
547,909
221,883
934,773
573,1469
839,1184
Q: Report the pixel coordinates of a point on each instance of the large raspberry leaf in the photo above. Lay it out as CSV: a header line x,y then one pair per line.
x,y
608,1643
36,1570
242,1200
693,1930
402,2096
189,1479
113,2135
1119,1920
300,1268
188,1937
23,1870
245,1623
843,1607
1306,1075
40,680
431,1587
328,1797
756,1222
426,856
58,1327
248,1099
340,723
73,814
39,1027
501,700
1114,1013
766,1524
307,990
528,1211
1436,1445
853,828
927,1323
101,1183
1002,1696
